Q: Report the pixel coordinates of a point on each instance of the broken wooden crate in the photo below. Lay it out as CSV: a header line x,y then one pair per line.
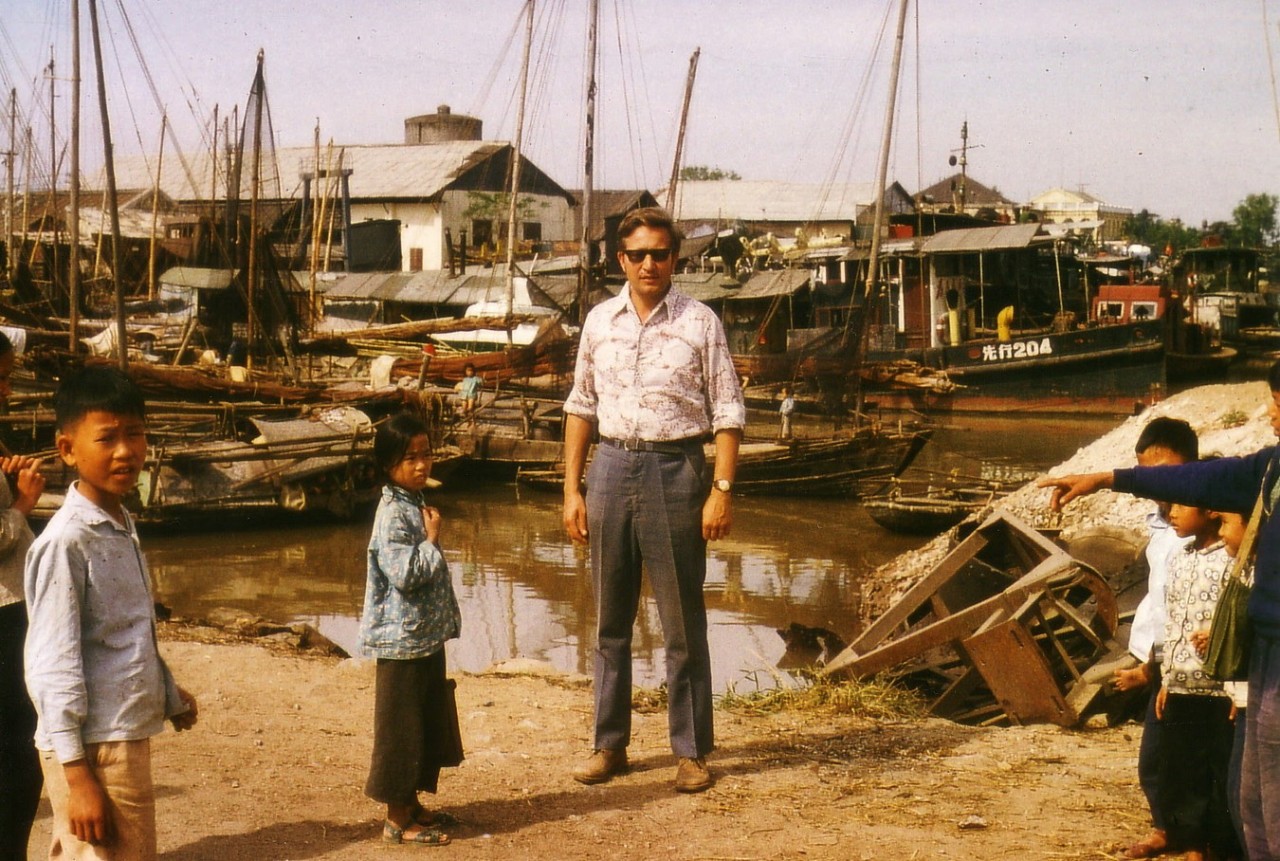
x,y
1003,628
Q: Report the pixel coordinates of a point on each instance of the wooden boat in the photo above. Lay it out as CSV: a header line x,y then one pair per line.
x,y
931,509
841,466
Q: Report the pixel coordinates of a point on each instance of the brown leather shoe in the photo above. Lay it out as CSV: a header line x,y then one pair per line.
x,y
602,765
692,775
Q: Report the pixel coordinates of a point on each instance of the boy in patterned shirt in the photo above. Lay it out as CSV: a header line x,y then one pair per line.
x,y
1194,708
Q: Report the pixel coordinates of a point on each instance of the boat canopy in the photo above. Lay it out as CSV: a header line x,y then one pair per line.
x,y
1004,237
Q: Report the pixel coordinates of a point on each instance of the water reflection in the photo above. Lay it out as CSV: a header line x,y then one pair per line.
x,y
525,590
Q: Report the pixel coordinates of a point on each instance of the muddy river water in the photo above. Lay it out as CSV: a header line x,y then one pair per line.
x,y
525,589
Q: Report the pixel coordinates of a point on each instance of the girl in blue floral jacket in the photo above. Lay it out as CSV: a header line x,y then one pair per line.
x,y
410,610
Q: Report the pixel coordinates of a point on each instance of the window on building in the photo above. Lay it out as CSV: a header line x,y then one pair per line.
x,y
481,233
532,231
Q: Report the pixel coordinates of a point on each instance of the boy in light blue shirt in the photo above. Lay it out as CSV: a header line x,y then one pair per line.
x,y
93,667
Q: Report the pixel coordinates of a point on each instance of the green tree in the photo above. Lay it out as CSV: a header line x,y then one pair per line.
x,y
694,172
1255,220
1149,229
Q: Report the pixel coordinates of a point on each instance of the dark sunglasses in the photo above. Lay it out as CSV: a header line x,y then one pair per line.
x,y
637,255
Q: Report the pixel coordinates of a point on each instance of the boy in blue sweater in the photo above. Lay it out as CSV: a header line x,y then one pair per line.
x,y
1230,484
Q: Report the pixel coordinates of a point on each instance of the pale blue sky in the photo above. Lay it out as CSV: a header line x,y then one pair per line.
x,y
1162,104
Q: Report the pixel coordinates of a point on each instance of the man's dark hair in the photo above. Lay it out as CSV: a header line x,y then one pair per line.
x,y
393,439
1173,434
97,388
1273,377
654,218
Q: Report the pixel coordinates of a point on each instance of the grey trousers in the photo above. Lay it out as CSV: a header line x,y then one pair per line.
x,y
644,512
1260,770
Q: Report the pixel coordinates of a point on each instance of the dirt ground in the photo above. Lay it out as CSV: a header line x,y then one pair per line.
x,y
274,770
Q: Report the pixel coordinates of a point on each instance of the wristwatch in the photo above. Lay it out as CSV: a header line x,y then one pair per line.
x,y
723,485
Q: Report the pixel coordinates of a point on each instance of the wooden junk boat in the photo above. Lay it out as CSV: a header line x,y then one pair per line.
x,y
840,466
1003,629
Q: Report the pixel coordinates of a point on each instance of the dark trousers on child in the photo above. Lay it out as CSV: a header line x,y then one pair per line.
x,y
20,775
1196,751
415,729
1149,752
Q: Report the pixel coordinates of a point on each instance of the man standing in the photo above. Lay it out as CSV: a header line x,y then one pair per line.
x,y
655,378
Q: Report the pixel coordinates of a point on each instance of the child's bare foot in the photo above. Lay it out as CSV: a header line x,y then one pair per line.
x,y
1150,846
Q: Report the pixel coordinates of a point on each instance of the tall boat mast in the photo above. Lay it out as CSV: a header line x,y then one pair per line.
x,y
73,267
11,263
882,172
155,214
112,200
684,121
260,90
515,173
53,184
588,167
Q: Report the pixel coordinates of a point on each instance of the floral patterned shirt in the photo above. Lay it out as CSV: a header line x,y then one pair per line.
x,y
668,378
410,609
1195,580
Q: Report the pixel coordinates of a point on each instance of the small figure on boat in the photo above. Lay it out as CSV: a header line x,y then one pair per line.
x,y
785,409
469,389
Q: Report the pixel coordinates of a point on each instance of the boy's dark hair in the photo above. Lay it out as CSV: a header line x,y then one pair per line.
x,y
468,367
654,218
1273,377
1173,434
393,439
6,346
97,388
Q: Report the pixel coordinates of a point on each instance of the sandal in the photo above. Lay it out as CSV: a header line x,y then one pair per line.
x,y
1149,847
392,833
436,819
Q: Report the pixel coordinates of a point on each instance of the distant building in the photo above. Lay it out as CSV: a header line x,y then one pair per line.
x,y
608,208
441,183
963,194
1080,212
830,212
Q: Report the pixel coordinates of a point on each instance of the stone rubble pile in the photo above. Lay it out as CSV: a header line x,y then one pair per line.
x,y
1231,419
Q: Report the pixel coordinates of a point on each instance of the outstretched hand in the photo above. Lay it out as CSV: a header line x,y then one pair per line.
x,y
1069,487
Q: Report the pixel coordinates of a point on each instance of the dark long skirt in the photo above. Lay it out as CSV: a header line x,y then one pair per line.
x,y
415,729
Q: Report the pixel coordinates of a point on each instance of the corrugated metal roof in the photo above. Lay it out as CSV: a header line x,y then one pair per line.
x,y
779,282
379,171
198,277
771,201
981,239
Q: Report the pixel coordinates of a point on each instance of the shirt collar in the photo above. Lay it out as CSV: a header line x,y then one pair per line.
x,y
1191,547
668,305
392,491
91,513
